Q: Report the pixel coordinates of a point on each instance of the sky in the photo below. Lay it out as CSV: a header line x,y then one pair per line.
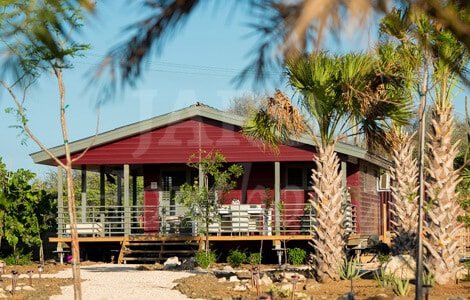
x,y
197,65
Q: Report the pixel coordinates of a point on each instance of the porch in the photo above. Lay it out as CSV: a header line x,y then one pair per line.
x,y
149,234
173,220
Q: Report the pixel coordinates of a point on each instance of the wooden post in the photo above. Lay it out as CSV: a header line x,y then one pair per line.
x,y
277,196
83,199
127,209
60,203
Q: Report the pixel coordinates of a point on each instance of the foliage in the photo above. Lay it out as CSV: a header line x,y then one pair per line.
x,y
283,30
384,258
348,269
428,278
401,287
25,210
38,38
296,256
200,197
19,258
236,258
383,279
206,259
93,195
254,258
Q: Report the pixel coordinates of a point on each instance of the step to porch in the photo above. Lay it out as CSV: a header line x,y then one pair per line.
x,y
140,250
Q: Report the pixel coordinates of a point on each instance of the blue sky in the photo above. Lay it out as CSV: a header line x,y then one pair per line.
x,y
198,64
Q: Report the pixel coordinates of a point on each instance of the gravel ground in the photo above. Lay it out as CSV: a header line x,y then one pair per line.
x,y
116,282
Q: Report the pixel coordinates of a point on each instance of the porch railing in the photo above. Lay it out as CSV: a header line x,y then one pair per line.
x,y
166,219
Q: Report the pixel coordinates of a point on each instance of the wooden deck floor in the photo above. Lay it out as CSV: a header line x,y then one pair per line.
x,y
108,239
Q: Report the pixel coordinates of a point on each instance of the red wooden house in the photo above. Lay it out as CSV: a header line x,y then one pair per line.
x,y
158,150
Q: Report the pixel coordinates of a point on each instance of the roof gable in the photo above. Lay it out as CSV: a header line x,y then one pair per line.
x,y
176,135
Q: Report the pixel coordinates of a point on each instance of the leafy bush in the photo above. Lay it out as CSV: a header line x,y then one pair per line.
x,y
19,258
296,256
236,257
254,258
205,260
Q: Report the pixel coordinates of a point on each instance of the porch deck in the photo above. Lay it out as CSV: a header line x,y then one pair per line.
x,y
157,227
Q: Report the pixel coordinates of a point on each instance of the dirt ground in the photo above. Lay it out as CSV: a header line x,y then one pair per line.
x,y
210,286
214,289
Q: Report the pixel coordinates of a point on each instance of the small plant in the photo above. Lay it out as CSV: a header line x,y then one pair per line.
x,y
296,256
205,260
401,287
236,257
467,266
383,279
348,269
254,258
428,278
285,293
383,258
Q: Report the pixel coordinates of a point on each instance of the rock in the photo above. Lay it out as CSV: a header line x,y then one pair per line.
x,y
401,266
240,287
266,280
300,296
228,269
244,275
379,297
311,285
233,278
28,288
171,263
222,280
188,264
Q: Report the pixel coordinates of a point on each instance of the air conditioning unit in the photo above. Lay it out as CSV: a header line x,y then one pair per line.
x,y
383,183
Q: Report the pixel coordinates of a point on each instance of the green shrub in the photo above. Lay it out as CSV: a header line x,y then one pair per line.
x,y
205,260
236,257
20,258
254,258
296,256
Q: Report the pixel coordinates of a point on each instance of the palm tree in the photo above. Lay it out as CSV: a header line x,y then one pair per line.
x,y
285,29
440,59
338,93
442,228
404,206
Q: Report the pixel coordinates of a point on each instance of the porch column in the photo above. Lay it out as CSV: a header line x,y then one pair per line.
x,y
344,169
60,203
102,188
118,190
127,211
277,196
84,180
134,188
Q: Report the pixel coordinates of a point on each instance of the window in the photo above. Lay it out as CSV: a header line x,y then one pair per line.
x,y
295,176
299,177
383,182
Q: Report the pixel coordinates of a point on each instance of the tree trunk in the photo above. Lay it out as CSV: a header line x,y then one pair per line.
x,y
442,229
404,205
74,233
328,232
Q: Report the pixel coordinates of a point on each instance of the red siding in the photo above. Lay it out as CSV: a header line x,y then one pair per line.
x,y
174,144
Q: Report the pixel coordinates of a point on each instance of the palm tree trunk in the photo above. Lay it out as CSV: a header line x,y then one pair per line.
x,y
328,234
440,241
404,206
